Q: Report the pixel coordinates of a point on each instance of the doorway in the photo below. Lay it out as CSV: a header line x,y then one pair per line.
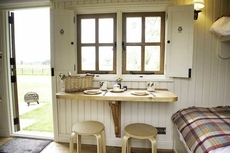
x,y
33,75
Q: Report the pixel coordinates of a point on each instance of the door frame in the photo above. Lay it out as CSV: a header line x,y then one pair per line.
x,y
13,69
6,96
7,101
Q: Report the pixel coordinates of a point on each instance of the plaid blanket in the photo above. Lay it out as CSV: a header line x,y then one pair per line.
x,y
204,129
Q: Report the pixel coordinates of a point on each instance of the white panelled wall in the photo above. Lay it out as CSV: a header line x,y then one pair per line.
x,y
210,82
156,114
208,86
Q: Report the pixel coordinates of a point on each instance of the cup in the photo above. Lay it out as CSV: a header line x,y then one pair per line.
x,y
125,88
116,87
103,85
151,86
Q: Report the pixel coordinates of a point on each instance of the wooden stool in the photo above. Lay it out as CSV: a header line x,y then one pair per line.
x,y
88,128
139,131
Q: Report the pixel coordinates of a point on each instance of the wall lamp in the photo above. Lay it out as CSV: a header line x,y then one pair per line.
x,y
198,5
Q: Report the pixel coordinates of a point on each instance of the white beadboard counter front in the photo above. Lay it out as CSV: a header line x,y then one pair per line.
x,y
115,98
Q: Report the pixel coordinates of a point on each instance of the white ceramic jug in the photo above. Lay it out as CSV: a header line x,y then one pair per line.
x,y
104,85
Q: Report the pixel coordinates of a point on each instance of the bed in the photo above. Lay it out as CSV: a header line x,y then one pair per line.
x,y
202,130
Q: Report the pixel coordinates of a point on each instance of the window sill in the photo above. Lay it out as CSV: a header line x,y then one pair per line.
x,y
134,78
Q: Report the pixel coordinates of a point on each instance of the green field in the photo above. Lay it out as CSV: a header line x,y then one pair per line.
x,y
41,84
33,69
43,115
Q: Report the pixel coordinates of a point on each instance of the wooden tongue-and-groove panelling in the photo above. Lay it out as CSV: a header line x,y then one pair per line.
x,y
209,85
156,114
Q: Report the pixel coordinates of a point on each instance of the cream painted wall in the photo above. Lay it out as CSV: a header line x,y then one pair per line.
x,y
209,85
210,82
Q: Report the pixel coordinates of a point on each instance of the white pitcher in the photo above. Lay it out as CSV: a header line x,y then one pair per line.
x,y
104,85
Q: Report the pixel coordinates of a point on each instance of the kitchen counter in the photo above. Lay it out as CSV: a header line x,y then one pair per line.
x,y
158,96
115,98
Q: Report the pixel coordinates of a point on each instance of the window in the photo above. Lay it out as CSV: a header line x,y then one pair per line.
x,y
96,46
143,43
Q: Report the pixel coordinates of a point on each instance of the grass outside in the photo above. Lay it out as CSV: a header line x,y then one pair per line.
x,y
42,86
39,84
43,115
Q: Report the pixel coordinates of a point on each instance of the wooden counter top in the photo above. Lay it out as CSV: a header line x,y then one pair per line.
x,y
79,96
160,96
115,98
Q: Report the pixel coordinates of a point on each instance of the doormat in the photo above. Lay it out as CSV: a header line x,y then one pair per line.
x,y
24,145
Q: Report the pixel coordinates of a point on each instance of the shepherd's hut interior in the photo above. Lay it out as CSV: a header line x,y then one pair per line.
x,y
150,74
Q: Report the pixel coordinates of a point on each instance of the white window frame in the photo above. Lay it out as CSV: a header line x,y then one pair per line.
x,y
119,8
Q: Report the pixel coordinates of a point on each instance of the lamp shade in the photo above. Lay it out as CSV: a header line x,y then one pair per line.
x,y
198,4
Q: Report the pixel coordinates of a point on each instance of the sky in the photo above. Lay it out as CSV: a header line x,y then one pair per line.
x,y
32,34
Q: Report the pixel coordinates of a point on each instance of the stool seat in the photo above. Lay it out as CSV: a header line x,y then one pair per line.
x,y
139,131
89,128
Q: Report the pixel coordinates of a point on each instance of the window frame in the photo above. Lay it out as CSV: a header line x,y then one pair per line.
x,y
120,8
142,43
96,44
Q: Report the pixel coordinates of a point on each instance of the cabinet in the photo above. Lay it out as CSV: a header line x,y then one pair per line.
x,y
224,47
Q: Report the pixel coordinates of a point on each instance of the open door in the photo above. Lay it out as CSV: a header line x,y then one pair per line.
x,y
29,53
13,73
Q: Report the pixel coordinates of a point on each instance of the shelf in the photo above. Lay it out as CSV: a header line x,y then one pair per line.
x,y
115,99
224,47
224,38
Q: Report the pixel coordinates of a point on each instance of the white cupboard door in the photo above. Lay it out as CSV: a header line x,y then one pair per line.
x,y
62,40
179,42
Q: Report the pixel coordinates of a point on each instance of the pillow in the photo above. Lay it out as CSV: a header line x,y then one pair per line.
x,y
221,27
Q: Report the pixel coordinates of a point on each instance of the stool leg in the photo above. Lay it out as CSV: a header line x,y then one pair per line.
x,y
154,145
71,142
78,143
103,141
124,143
99,143
129,146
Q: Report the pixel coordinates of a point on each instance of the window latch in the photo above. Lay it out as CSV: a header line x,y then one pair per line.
x,y
146,73
105,72
123,45
115,46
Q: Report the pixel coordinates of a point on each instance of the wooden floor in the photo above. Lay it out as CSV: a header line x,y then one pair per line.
x,y
55,147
